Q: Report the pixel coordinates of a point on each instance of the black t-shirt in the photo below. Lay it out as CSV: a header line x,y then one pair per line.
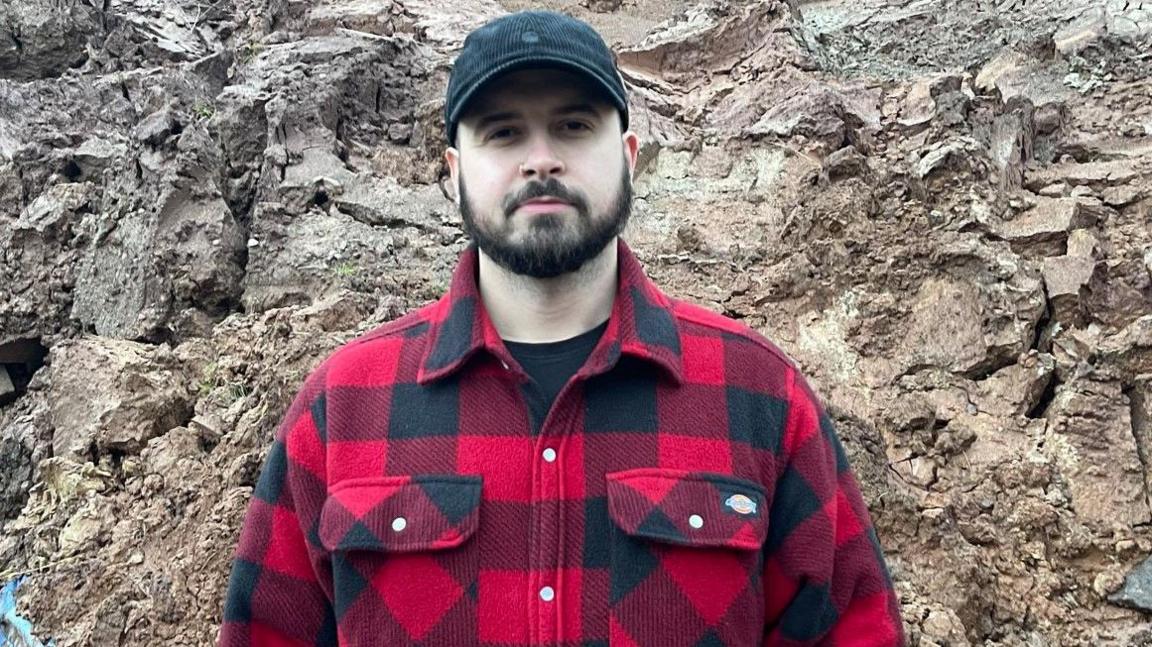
x,y
550,365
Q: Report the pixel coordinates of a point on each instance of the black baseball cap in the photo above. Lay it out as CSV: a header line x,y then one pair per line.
x,y
531,39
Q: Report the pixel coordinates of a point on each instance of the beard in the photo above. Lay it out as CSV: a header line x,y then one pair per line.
x,y
553,244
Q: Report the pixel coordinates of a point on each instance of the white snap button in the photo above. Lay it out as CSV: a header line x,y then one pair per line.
x,y
696,521
399,523
547,594
550,455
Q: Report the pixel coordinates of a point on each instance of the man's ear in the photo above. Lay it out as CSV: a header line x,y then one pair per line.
x,y
631,150
452,160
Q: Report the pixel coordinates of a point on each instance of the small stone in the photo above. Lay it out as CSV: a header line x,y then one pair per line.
x,y
1123,172
920,471
1049,117
953,154
156,127
1081,33
1081,242
153,483
845,162
943,625
1097,174
1137,590
1119,196
6,386
97,154
933,514
1056,498
1106,583
1056,190
1049,220
130,467
80,531
919,106
399,133
1020,203
1004,64
252,242
601,6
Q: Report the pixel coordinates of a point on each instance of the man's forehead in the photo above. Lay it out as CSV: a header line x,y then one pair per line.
x,y
554,88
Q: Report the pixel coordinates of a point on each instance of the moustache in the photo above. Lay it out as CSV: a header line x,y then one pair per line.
x,y
550,188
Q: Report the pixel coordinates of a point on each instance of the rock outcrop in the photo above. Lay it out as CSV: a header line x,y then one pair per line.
x,y
940,210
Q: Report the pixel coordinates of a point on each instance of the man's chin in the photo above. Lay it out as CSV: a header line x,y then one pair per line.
x,y
537,261
546,224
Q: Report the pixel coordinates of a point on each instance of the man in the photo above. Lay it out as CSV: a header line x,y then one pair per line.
x,y
555,453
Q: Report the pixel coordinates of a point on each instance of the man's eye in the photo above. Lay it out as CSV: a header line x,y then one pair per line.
x,y
575,126
501,133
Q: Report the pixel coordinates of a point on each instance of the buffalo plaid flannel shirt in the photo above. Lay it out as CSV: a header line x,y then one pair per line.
x,y
685,489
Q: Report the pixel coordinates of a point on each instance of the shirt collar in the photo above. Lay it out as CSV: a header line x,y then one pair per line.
x,y
641,325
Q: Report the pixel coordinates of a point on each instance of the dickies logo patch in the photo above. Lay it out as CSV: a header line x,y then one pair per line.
x,y
740,504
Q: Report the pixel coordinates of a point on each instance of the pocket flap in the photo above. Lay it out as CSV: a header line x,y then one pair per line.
x,y
401,513
688,508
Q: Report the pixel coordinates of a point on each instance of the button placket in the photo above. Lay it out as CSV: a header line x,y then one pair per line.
x,y
548,482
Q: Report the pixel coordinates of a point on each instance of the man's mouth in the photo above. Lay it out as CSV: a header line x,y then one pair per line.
x,y
542,205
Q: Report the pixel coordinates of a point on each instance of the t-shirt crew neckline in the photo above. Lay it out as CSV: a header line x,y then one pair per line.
x,y
550,365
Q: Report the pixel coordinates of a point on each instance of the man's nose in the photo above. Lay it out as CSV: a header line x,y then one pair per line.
x,y
542,161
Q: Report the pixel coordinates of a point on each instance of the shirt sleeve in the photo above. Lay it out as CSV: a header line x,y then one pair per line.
x,y
825,577
279,591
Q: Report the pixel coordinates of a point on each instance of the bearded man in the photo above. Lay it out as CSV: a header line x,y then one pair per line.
x,y
555,452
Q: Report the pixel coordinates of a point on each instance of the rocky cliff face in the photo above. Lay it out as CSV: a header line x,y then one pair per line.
x,y
940,208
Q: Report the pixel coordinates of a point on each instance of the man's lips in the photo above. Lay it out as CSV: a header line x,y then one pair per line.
x,y
539,205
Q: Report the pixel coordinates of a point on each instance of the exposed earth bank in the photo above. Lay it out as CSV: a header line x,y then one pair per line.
x,y
939,208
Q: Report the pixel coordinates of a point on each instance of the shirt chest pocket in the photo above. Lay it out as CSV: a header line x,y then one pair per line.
x,y
686,564
404,565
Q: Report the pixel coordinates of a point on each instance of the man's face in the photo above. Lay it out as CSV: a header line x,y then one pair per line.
x,y
542,171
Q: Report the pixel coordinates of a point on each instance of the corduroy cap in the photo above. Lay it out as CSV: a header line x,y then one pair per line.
x,y
530,39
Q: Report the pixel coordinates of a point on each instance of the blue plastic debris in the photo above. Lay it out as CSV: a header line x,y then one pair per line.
x,y
14,630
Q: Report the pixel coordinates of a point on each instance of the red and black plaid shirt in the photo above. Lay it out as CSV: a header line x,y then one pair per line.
x,y
685,489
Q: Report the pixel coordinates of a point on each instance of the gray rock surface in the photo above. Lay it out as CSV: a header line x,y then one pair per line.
x,y
1137,591
143,393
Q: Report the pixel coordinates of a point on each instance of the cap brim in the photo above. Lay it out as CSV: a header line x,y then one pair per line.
x,y
532,62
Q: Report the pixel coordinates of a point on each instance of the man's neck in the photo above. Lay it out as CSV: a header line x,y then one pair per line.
x,y
534,310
